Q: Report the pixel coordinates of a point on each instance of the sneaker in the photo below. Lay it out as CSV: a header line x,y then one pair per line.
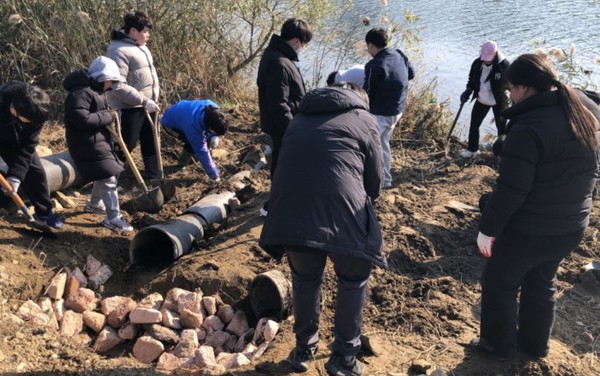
x,y
482,346
49,220
301,357
117,224
263,212
94,209
340,365
468,153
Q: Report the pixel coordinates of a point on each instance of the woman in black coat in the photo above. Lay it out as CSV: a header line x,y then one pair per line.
x,y
538,210
321,206
87,117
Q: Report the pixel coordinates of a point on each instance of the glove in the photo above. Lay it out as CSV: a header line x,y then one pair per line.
x,y
485,243
213,143
465,96
151,106
14,184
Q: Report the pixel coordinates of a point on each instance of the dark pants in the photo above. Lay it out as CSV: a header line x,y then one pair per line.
x,y
34,186
277,141
479,112
529,262
136,127
308,265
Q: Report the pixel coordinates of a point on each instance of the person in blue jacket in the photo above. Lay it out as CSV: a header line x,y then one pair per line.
x,y
197,123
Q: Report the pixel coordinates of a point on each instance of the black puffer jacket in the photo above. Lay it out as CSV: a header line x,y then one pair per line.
x,y
280,87
86,118
330,173
496,79
17,140
546,176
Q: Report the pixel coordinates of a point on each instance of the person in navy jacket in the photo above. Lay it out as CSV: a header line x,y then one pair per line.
x,y
198,124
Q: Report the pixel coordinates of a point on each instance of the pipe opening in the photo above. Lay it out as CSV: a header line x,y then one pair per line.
x,y
152,246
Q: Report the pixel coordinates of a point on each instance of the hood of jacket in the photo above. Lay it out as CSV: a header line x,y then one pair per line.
x,y
80,78
331,99
281,45
119,34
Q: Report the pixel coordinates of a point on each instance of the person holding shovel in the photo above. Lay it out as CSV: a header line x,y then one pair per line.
x,y
23,110
87,118
486,85
198,124
138,90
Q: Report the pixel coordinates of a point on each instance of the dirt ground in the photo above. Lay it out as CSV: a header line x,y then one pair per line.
x,y
423,310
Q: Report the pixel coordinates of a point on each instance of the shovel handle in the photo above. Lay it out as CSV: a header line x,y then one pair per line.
x,y
156,133
116,132
15,197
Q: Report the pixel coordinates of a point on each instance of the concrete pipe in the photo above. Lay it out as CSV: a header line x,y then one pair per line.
x,y
166,242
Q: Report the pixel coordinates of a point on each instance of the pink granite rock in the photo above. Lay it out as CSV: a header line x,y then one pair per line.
x,y
270,330
236,361
205,356
152,301
187,345
239,324
83,300
170,319
117,309
128,331
45,304
190,319
172,297
226,313
201,332
94,320
223,358
99,278
168,363
56,288
71,287
106,340
80,277
92,265
191,302
230,344
58,306
145,316
217,339
213,322
147,349
71,324
210,305
32,313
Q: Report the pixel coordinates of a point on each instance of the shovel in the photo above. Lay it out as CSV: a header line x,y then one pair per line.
x,y
447,147
166,186
31,222
151,201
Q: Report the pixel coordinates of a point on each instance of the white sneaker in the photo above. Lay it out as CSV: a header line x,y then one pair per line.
x,y
117,224
263,212
469,154
94,209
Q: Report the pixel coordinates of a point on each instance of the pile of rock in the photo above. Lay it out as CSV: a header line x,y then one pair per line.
x,y
185,331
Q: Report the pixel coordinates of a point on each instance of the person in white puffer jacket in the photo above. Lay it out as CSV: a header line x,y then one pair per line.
x,y
139,91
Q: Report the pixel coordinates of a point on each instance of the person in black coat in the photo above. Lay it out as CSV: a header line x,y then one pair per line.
x,y
280,83
486,87
322,206
23,110
538,210
87,118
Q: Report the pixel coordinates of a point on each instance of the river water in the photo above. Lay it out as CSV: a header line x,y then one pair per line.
x,y
453,30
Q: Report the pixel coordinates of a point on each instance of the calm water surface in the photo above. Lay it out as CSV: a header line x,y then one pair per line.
x,y
453,31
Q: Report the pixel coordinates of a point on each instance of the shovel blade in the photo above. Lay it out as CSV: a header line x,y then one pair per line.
x,y
150,202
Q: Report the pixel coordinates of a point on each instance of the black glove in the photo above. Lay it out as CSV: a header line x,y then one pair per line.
x,y
465,96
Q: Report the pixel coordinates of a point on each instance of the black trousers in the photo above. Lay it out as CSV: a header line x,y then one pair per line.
x,y
34,186
478,113
529,262
308,265
136,128
277,141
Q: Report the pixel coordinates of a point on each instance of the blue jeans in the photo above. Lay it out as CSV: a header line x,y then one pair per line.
x,y
353,274
386,127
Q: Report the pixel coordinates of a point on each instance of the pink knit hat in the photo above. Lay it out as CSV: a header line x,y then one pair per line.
x,y
488,50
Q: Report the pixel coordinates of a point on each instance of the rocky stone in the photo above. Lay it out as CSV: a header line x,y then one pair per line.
x,y
45,304
32,313
82,339
210,305
145,316
128,331
238,324
172,298
259,330
100,277
56,288
192,302
168,363
243,340
188,367
147,349
92,265
236,361
83,300
190,319
94,320
79,276
188,343
225,313
217,339
201,333
170,319
166,335
116,309
270,330
106,340
58,306
152,301
223,358
71,287
71,324
249,350
214,370
205,356
260,350
230,344
213,322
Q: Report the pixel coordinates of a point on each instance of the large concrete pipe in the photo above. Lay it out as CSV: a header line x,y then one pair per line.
x,y
60,171
166,242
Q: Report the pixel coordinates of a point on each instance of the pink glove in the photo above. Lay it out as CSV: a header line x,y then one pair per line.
x,y
485,243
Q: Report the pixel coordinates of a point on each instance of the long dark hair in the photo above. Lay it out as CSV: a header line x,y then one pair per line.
x,y
538,72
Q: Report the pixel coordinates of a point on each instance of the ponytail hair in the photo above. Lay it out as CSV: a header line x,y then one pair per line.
x,y
539,73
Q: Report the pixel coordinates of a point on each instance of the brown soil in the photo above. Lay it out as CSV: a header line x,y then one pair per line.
x,y
425,307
